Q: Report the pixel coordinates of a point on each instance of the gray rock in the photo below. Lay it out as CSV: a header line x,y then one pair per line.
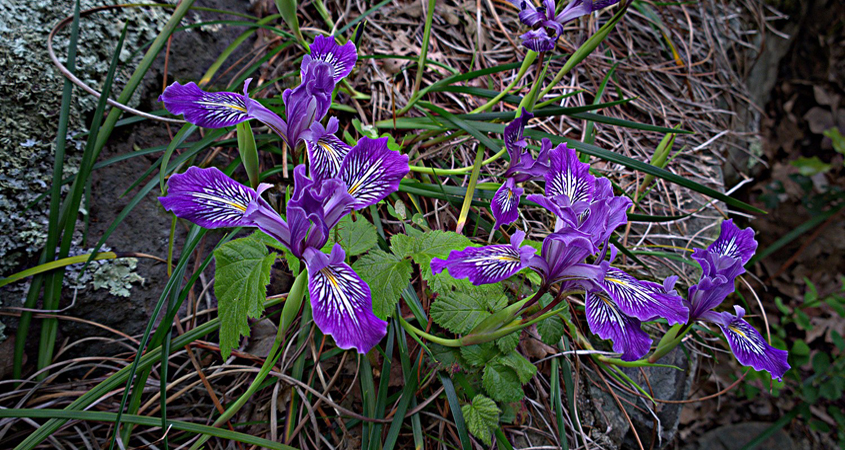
x,y
601,412
736,436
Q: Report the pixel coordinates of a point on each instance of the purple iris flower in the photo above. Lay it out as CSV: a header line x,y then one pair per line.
x,y
586,214
340,300
720,264
546,27
305,105
523,167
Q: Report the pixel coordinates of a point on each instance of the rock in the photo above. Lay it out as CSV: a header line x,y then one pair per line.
x,y
30,95
736,436
600,411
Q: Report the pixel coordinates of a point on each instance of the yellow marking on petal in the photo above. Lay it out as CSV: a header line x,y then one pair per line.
x,y
738,331
237,206
327,273
327,147
354,188
510,194
226,105
614,280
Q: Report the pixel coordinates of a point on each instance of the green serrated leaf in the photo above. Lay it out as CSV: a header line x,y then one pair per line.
x,y
355,237
448,357
428,245
240,283
522,366
502,383
482,417
387,275
443,283
460,311
478,355
551,329
508,343
266,239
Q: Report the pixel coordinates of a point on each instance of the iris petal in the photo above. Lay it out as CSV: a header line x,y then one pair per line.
x,y
341,301
643,299
340,57
325,151
749,346
505,203
372,171
205,109
606,319
489,264
568,176
733,242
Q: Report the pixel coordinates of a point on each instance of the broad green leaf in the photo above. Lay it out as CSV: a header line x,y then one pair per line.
x,y
427,246
355,237
482,417
837,139
810,166
502,383
240,283
523,367
448,357
551,329
479,354
461,310
266,239
507,344
387,275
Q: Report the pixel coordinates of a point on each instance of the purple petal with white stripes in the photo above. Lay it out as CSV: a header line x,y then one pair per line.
x,y
568,176
505,204
733,242
209,198
341,58
325,151
643,299
489,264
372,171
607,321
748,345
341,301
528,13
538,40
205,109
718,274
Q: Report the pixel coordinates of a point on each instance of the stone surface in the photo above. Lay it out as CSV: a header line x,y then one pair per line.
x,y
30,95
601,412
736,436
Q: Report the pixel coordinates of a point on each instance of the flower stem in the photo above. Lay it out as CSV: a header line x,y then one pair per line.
x,y
666,345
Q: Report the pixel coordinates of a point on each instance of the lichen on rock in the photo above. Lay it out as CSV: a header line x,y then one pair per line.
x,y
30,98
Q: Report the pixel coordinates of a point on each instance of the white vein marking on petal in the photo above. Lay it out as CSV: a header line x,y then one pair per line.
x,y
507,202
633,292
743,339
336,289
222,201
218,110
375,171
494,264
609,313
729,248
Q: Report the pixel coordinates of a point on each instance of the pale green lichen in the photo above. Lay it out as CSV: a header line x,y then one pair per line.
x,y
30,98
